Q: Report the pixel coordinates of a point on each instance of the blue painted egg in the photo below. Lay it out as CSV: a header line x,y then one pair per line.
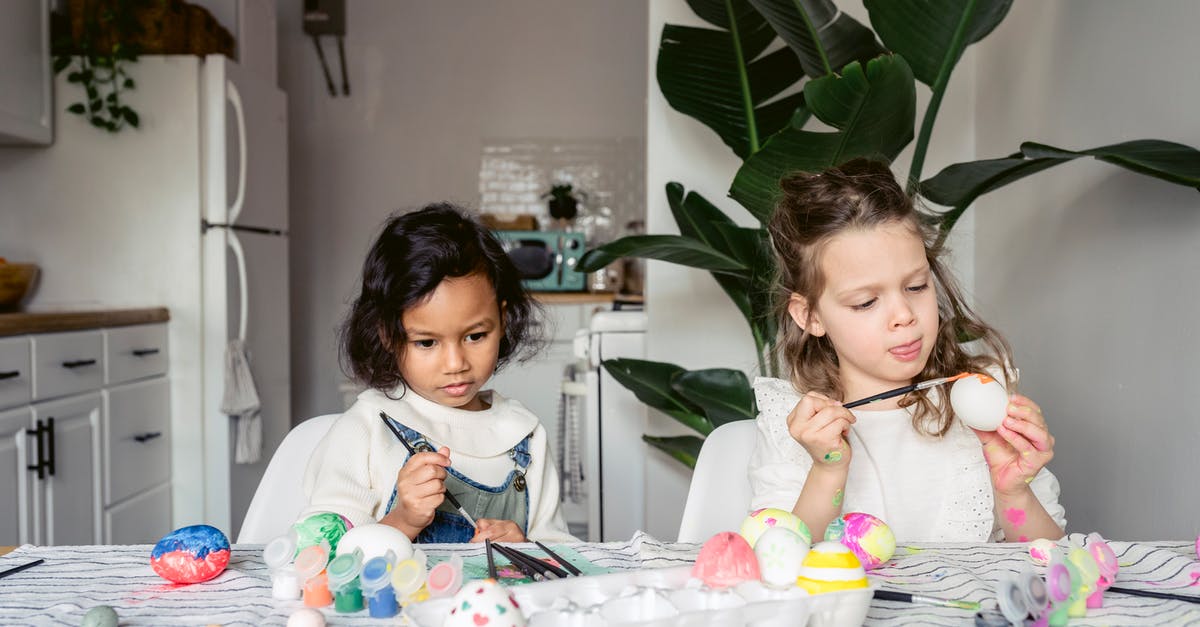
x,y
191,554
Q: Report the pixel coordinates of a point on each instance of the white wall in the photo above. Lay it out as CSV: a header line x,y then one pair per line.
x,y
430,81
1091,270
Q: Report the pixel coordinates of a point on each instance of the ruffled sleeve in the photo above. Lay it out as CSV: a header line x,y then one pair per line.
x,y
778,465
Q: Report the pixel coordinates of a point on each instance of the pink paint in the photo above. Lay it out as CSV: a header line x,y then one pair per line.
x,y
1016,517
771,522
725,560
1023,539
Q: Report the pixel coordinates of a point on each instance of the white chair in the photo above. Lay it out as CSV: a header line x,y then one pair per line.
x,y
279,499
720,494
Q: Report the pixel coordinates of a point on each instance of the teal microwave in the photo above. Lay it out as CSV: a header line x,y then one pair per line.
x,y
546,260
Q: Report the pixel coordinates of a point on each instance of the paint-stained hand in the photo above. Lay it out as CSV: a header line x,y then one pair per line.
x,y
420,488
1019,448
820,425
497,531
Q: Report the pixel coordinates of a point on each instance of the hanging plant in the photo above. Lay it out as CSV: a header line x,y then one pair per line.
x,y
95,47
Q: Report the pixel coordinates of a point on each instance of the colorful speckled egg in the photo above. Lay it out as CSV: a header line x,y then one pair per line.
x,y
484,602
766,518
871,540
1039,551
191,554
829,567
780,551
324,526
979,401
725,560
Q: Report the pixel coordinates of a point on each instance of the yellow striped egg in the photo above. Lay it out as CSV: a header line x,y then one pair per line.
x,y
829,567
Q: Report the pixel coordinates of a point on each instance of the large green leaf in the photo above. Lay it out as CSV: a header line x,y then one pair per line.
x,y
872,108
685,448
725,394
673,248
924,31
650,382
824,38
719,78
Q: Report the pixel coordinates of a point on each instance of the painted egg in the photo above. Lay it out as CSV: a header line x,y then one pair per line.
x,y
325,526
766,518
100,616
726,559
780,551
871,540
376,540
307,617
191,554
484,602
829,567
1197,547
1039,551
979,401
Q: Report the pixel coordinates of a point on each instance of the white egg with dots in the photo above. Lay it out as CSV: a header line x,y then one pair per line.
x,y
980,401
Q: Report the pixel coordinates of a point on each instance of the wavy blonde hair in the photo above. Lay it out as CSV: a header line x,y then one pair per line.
x,y
863,194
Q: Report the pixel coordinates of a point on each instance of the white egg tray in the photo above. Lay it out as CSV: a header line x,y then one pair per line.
x,y
667,597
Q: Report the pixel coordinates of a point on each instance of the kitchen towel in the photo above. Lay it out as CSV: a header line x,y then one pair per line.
x,y
241,402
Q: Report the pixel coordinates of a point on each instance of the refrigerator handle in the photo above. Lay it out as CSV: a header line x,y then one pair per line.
x,y
235,99
243,291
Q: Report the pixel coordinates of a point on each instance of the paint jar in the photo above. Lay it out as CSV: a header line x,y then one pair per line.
x,y
343,581
377,589
408,579
278,555
310,568
445,578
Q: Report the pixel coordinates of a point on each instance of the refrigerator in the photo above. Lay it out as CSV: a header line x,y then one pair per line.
x,y
188,212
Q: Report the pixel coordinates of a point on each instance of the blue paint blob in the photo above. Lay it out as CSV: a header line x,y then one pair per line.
x,y
198,540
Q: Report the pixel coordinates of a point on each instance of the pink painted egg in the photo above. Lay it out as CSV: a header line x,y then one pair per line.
x,y
484,602
871,540
725,560
191,554
1039,551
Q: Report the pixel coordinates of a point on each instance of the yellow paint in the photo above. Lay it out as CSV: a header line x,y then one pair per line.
x,y
817,587
822,559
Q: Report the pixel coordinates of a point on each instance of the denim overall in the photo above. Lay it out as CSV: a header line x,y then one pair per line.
x,y
509,501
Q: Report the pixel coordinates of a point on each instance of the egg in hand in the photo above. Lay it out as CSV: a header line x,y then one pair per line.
x,y
979,401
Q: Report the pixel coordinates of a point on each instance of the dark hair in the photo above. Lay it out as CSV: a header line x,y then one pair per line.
x,y
413,254
863,194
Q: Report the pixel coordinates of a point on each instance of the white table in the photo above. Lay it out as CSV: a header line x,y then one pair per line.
x,y
74,579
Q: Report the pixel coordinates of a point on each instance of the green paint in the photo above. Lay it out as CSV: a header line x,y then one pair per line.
x,y
326,526
837,498
833,457
912,550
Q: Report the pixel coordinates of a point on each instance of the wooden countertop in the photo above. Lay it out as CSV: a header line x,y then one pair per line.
x,y
51,321
5,550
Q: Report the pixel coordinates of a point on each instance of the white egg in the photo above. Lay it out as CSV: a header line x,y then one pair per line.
x,y
307,617
780,552
376,540
979,405
484,602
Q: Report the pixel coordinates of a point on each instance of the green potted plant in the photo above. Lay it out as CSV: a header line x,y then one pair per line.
x,y
730,77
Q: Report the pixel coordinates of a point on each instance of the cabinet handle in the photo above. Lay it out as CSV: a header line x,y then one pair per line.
x,y
9,374
142,352
146,437
38,432
78,363
50,432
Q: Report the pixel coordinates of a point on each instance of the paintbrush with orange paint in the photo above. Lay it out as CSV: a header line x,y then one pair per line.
x,y
924,385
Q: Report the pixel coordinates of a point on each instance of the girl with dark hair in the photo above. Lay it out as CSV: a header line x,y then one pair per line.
x,y
865,306
441,308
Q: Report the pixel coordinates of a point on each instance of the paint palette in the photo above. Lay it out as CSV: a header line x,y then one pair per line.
x,y
667,597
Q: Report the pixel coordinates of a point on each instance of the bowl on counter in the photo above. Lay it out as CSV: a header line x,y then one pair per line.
x,y
16,283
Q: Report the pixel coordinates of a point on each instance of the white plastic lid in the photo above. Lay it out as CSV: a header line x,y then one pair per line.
x,y
280,551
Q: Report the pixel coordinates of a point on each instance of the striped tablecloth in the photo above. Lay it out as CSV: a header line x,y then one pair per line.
x,y
74,579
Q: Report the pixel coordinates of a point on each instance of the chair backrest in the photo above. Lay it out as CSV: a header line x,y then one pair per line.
x,y
720,494
279,498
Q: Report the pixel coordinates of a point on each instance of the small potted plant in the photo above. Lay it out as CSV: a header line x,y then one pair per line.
x,y
564,202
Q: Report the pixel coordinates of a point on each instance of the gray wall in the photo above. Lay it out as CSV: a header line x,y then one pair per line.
x,y
1090,270
430,82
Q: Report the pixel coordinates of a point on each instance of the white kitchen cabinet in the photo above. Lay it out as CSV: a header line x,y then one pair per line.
x,y
26,82
84,441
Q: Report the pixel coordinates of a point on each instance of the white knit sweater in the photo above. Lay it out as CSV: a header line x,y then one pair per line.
x,y
353,470
926,489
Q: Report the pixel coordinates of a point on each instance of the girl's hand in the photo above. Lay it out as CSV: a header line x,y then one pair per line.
x,y
820,424
1018,448
497,531
420,488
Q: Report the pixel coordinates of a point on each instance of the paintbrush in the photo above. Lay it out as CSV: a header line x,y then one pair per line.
x,y
558,558
16,569
411,451
491,559
544,570
1153,595
924,385
534,560
526,569
892,595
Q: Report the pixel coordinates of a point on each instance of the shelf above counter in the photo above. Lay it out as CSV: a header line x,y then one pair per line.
x,y
21,323
583,298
